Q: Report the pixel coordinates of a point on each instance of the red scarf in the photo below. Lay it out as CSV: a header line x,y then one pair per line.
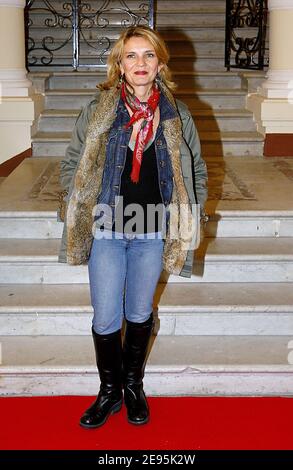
x,y
145,111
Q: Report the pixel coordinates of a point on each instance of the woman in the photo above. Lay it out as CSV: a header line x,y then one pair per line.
x,y
133,145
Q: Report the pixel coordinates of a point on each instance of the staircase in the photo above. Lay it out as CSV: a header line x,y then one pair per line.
x,y
195,34
217,105
226,331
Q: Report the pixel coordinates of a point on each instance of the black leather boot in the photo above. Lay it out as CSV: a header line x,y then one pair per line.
x,y
108,350
135,348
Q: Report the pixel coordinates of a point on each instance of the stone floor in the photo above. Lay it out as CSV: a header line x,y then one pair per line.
x,y
235,183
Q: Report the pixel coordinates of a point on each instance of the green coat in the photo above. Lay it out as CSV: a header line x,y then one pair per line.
x,y
92,125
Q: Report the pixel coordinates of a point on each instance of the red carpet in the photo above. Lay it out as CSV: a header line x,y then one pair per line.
x,y
176,423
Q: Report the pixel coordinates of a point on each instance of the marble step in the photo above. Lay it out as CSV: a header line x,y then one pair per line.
x,y
44,224
199,309
249,80
182,365
214,79
163,5
197,32
195,99
240,200
201,47
225,223
225,120
30,224
35,261
188,79
232,143
49,144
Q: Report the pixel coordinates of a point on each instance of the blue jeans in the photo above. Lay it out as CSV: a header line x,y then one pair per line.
x,y
123,272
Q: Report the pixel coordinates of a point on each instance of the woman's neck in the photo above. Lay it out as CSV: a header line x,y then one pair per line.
x,y
143,93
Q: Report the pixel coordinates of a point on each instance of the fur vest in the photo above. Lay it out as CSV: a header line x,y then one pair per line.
x,y
88,180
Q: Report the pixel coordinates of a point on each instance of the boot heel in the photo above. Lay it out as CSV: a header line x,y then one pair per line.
x,y
116,408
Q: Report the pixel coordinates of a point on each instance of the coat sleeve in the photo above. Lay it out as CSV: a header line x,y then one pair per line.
x,y
69,163
73,152
191,138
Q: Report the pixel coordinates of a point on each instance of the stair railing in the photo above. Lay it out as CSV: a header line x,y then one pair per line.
x,y
82,30
246,26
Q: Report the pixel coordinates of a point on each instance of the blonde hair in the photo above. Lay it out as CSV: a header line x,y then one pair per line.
x,y
115,56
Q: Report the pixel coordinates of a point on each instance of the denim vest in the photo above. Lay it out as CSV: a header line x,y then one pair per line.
x,y
116,151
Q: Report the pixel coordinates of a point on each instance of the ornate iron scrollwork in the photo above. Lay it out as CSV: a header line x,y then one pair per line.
x,y
246,22
83,32
116,14
46,44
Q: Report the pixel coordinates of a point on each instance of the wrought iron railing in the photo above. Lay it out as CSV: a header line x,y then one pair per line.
x,y
79,33
246,25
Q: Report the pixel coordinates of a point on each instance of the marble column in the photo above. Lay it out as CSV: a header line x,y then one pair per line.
x,y
16,104
273,103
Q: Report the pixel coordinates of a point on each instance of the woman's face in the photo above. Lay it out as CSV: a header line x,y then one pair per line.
x,y
139,62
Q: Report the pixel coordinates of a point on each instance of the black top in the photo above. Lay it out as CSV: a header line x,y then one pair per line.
x,y
146,191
